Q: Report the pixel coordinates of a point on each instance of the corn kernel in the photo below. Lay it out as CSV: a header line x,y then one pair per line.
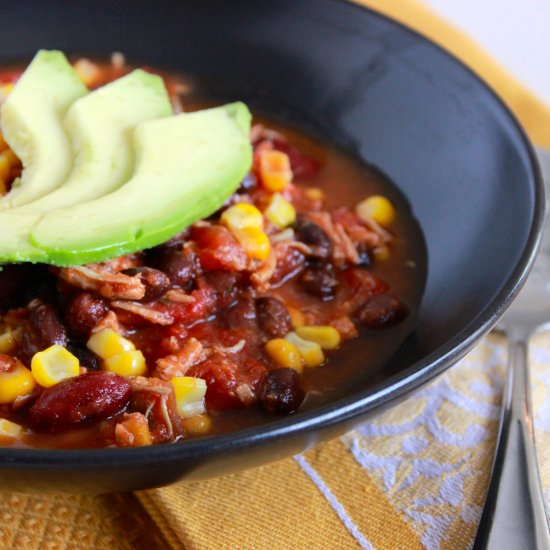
x,y
190,394
297,317
311,352
280,212
9,429
381,254
5,90
284,353
53,365
377,208
199,424
326,336
275,171
7,341
87,71
254,241
314,194
107,343
127,363
16,382
242,215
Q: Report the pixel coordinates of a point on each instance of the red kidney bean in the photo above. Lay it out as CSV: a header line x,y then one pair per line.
x,y
273,317
281,391
90,397
381,311
83,312
312,234
156,282
319,281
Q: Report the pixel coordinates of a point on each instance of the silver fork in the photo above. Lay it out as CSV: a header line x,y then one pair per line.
x,y
514,516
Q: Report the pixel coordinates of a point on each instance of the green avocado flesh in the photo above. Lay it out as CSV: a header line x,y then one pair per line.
x,y
186,166
31,121
100,128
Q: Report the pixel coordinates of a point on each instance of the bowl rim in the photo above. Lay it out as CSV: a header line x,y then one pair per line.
x,y
346,408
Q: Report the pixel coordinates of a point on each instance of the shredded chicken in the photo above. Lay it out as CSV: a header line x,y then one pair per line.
x,y
260,278
122,262
245,394
110,285
345,326
181,361
109,321
259,132
145,312
230,349
141,383
179,296
343,249
384,235
282,236
163,390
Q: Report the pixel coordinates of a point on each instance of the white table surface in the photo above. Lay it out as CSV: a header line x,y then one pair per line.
x,y
515,32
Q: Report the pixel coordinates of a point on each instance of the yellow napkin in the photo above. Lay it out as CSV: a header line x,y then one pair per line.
x,y
414,477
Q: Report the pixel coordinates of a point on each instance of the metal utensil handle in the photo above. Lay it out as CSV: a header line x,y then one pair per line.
x,y
514,516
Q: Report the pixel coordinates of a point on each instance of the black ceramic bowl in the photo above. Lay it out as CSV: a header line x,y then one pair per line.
x,y
386,94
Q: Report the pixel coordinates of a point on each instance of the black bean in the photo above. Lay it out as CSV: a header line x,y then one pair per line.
x,y
155,281
273,317
85,357
320,281
225,284
13,280
175,263
281,391
314,236
381,311
365,255
249,182
83,312
242,314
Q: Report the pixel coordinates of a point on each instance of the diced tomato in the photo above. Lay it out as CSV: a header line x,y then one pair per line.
x,y
218,248
7,77
223,379
303,166
362,281
203,306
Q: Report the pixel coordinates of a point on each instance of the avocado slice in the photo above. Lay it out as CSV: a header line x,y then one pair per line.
x,y
31,119
100,128
186,166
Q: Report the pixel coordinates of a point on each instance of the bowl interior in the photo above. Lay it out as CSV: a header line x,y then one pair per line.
x,y
384,93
